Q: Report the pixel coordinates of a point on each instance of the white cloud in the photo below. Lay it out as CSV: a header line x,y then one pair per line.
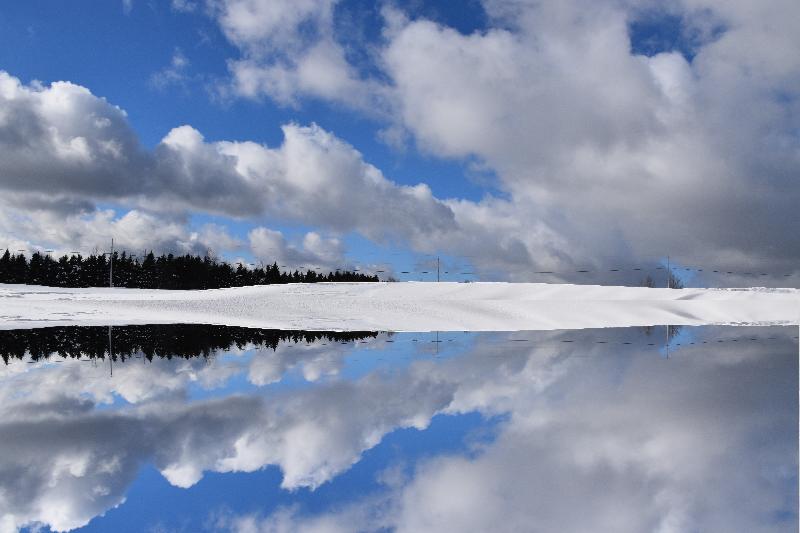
x,y
185,6
289,50
134,231
174,74
312,177
62,139
315,251
275,26
321,71
614,157
63,148
621,155
603,157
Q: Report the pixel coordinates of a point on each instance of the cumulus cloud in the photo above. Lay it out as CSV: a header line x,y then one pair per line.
x,y
603,156
313,178
62,139
134,231
314,251
266,27
63,145
610,155
640,155
289,50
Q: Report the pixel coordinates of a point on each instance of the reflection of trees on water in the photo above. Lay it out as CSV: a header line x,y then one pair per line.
x,y
155,340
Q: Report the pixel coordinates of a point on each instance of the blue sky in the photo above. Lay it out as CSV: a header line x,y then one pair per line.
x,y
117,54
549,137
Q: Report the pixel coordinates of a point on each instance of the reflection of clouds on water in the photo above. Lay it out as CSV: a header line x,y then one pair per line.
x,y
315,362
613,440
64,468
135,381
702,442
312,434
686,446
138,380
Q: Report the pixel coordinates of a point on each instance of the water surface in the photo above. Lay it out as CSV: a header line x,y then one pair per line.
x,y
190,428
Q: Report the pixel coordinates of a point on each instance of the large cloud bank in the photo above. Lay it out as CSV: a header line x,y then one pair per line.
x,y
63,150
603,155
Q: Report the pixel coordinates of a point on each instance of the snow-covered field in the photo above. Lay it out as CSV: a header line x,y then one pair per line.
x,y
400,306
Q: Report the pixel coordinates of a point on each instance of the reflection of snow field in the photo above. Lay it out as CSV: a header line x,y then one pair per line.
x,y
401,306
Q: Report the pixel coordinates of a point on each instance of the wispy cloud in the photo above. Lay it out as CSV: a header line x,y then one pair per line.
x,y
175,74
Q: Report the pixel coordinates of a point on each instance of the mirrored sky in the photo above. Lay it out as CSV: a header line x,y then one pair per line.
x,y
601,430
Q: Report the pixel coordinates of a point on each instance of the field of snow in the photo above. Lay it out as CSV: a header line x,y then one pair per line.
x,y
400,306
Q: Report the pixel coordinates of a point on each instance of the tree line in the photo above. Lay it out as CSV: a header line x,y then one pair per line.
x,y
153,340
153,272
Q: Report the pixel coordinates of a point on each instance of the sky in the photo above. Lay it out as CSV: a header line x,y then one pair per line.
x,y
508,137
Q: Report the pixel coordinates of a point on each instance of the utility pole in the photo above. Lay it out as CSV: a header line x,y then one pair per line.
x,y
437,268
669,275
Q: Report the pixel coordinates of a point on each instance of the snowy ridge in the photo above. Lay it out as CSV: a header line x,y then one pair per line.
x,y
400,306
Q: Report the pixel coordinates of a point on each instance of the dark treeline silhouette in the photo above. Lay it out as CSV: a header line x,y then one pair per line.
x,y
155,340
161,272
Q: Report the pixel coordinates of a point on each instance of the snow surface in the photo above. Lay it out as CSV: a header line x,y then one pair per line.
x,y
408,306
